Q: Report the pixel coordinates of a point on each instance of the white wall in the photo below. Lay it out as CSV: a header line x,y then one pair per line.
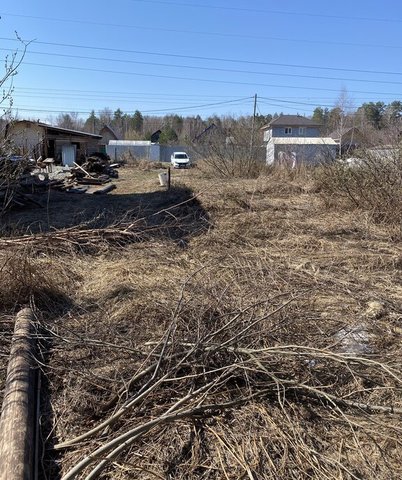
x,y
270,157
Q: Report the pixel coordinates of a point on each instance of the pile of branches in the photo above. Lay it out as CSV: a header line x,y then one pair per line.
x,y
219,395
176,220
11,173
80,237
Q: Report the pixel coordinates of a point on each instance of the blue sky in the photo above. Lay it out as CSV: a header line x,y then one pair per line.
x,y
202,57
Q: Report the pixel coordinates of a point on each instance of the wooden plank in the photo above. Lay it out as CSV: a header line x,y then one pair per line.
x,y
92,181
17,422
86,173
77,190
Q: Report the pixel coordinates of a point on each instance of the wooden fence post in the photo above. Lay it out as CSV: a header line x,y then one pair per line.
x,y
17,422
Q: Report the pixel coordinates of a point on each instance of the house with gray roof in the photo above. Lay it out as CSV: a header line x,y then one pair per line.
x,y
294,140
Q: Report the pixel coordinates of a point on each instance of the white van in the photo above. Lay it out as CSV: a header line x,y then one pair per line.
x,y
180,160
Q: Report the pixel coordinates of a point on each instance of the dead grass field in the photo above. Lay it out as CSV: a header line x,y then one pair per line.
x,y
259,327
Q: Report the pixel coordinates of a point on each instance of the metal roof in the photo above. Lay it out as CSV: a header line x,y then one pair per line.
x,y
50,128
291,121
302,141
130,143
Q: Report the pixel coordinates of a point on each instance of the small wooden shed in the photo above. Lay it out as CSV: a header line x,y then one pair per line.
x,y
36,139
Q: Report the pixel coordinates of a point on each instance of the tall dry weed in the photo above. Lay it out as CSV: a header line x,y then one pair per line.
x,y
130,160
26,279
372,184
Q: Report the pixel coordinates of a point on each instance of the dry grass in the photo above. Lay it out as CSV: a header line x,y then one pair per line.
x,y
288,310
140,163
372,184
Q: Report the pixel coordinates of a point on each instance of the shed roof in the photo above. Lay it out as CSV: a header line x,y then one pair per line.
x,y
52,129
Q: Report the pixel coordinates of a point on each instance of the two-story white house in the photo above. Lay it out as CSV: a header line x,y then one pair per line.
x,y
294,139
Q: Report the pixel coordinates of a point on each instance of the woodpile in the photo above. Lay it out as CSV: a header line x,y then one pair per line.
x,y
79,180
19,184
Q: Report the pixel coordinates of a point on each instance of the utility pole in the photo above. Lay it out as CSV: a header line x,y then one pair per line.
x,y
253,126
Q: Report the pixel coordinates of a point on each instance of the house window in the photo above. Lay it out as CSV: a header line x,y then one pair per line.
x,y
288,130
302,131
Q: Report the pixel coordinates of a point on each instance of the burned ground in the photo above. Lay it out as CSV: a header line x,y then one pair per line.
x,y
262,337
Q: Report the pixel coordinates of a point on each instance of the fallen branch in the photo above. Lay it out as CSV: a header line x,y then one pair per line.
x,y
122,442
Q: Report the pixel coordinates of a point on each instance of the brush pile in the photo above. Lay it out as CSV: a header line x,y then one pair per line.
x,y
13,181
239,386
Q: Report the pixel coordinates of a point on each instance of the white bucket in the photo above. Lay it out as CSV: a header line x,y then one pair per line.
x,y
163,179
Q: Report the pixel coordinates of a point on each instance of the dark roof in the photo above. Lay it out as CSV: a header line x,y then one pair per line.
x,y
208,130
336,134
110,130
155,136
68,131
291,121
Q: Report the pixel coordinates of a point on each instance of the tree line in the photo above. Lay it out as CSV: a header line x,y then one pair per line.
x,y
371,115
173,128
373,118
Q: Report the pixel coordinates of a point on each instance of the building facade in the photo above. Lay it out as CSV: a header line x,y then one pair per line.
x,y
294,140
37,139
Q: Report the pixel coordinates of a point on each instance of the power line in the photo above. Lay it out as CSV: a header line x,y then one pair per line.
x,y
216,59
214,69
236,101
105,92
294,102
276,12
228,82
202,106
108,99
281,106
160,94
206,33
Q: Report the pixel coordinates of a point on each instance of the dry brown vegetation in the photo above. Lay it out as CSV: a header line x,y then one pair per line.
x,y
251,331
373,184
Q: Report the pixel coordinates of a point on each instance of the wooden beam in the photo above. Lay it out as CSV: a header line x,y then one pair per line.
x,y
17,422
86,173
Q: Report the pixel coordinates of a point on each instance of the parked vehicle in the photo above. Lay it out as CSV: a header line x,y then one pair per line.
x,y
180,160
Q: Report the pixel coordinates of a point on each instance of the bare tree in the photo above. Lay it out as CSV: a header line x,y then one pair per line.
x,y
70,120
11,65
340,116
9,171
225,148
